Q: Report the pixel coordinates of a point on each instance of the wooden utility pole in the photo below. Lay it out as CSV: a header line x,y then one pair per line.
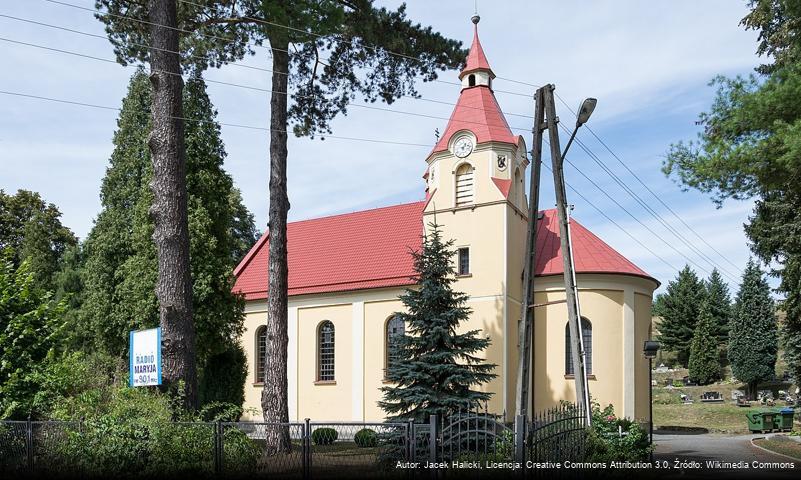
x,y
526,329
545,118
571,291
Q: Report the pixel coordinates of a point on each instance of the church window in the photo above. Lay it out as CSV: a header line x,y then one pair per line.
x,y
471,80
325,351
463,268
261,353
586,334
396,328
464,185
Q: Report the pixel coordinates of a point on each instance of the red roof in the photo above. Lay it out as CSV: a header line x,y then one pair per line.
x,y
478,111
476,60
370,249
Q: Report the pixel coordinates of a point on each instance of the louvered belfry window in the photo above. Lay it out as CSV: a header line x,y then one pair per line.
x,y
464,185
325,352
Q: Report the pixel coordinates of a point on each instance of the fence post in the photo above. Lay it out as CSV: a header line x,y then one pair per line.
x,y
29,444
520,439
218,448
306,443
433,438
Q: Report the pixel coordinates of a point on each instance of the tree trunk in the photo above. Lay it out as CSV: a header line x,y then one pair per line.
x,y
169,209
274,401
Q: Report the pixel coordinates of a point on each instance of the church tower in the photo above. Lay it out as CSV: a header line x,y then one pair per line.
x,y
475,192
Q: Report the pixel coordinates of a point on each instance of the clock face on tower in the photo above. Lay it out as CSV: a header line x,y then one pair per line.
x,y
463,147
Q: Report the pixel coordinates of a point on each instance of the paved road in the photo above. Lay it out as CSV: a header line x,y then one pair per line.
x,y
706,448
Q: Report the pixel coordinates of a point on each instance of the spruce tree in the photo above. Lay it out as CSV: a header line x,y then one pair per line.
x,y
679,307
753,337
704,364
437,368
121,264
719,303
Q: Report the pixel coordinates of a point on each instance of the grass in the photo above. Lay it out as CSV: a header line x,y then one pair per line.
x,y
782,445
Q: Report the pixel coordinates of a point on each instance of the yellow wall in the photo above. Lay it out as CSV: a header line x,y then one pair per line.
x,y
642,315
376,316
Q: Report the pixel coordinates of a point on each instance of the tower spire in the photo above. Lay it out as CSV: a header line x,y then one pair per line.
x,y
476,59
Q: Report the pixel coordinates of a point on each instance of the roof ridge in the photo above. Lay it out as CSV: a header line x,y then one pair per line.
x,y
343,214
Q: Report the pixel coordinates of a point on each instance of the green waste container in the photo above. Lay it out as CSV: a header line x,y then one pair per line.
x,y
783,419
761,420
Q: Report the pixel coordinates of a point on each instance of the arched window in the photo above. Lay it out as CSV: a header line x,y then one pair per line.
x,y
261,353
464,185
396,328
586,335
471,80
325,351
518,187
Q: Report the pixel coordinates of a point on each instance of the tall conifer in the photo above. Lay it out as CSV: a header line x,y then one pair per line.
x,y
704,364
437,369
679,307
753,335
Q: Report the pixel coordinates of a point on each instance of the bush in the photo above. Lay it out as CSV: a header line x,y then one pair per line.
x,y
324,436
605,442
222,379
366,438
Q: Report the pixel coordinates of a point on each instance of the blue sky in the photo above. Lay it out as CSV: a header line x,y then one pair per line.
x,y
648,63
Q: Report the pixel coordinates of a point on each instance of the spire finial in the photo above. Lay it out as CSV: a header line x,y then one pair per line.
x,y
475,19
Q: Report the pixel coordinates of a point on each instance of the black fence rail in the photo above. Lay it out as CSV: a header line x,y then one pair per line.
x,y
286,450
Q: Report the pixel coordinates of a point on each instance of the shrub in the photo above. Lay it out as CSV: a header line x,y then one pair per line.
x,y
324,436
615,439
366,438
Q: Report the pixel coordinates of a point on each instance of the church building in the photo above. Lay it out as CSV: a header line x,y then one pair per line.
x,y
347,271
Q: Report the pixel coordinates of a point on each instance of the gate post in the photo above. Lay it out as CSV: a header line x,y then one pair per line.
x,y
433,437
306,446
412,441
520,439
29,444
218,447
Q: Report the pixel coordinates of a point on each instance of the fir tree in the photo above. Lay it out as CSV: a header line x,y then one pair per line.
x,y
753,331
437,368
679,307
704,364
121,266
719,303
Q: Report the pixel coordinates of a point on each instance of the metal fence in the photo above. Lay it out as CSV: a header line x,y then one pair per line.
x,y
287,450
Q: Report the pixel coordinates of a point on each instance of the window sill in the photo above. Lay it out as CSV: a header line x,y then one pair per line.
x,y
258,384
464,275
325,382
572,377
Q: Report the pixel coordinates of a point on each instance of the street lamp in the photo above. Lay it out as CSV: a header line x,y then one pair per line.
x,y
649,349
586,109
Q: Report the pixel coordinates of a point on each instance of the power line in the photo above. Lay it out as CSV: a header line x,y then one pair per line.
x,y
657,197
592,204
103,37
681,238
236,125
358,105
133,19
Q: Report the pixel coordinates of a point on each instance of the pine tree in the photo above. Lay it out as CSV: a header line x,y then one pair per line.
x,y
753,336
719,303
437,368
704,364
121,263
679,307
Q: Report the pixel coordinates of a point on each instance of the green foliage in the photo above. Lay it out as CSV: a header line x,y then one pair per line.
x,y
753,341
366,438
32,229
324,436
356,36
749,148
224,376
679,307
719,305
30,330
704,362
121,266
436,366
615,439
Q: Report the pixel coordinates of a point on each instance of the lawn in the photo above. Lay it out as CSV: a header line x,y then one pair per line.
x,y
782,445
717,417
